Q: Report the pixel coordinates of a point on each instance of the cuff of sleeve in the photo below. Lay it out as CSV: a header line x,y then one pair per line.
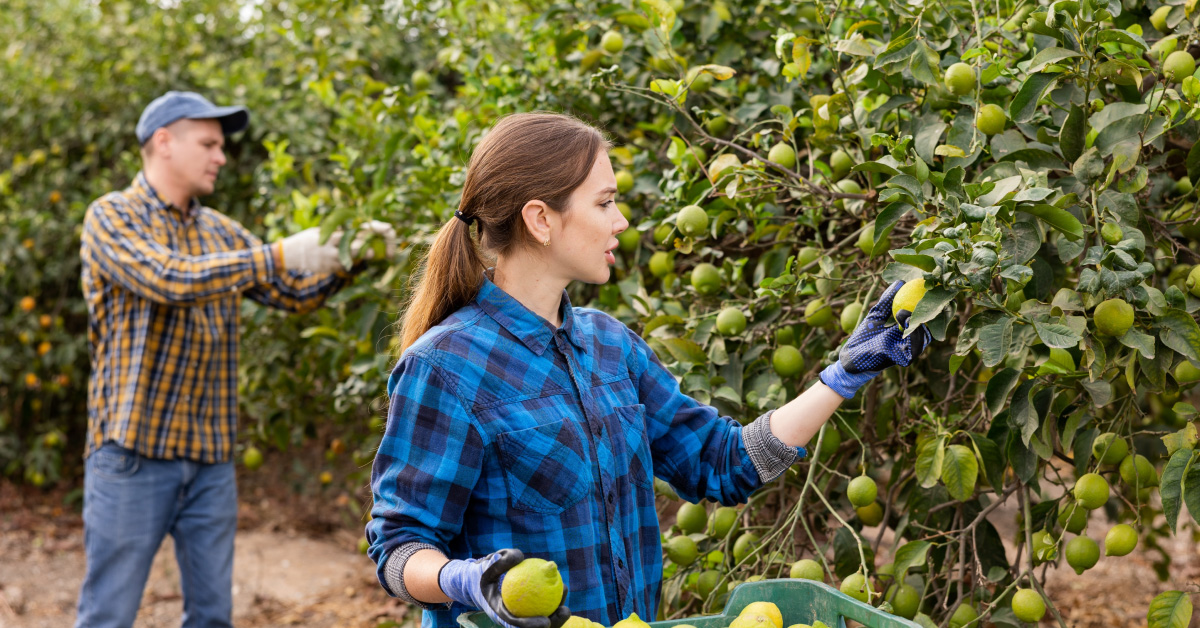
x,y
267,262
394,573
771,456
844,383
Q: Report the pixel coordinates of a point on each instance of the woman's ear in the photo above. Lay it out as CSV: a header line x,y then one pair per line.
x,y
539,220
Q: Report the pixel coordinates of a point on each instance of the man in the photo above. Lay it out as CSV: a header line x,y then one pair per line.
x,y
163,277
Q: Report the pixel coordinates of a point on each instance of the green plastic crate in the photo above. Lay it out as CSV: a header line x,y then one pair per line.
x,y
800,602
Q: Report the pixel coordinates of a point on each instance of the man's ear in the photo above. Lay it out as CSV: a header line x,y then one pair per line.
x,y
538,220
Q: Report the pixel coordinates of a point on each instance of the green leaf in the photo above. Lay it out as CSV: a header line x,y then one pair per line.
x,y
1024,104
1191,490
1072,138
1057,336
924,262
1135,339
909,555
1170,609
993,461
684,350
1058,218
1123,37
1171,485
1024,415
1193,162
930,454
930,305
995,340
1036,158
999,386
1180,332
960,470
1050,56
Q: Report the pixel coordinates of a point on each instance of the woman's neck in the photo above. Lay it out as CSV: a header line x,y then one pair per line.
x,y
531,283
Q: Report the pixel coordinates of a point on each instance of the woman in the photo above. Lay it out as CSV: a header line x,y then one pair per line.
x,y
520,425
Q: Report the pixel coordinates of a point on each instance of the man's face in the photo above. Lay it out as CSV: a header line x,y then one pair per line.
x,y
194,153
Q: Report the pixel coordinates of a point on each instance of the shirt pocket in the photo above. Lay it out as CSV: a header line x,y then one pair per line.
x,y
545,468
631,422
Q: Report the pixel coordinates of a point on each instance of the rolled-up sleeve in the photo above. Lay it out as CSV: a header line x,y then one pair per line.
x,y
698,451
426,468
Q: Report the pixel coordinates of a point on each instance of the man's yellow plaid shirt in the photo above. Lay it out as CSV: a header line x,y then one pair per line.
x,y
163,289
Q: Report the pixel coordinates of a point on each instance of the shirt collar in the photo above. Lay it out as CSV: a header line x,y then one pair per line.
x,y
534,331
141,186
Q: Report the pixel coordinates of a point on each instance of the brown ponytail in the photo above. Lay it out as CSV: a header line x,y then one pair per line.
x,y
524,157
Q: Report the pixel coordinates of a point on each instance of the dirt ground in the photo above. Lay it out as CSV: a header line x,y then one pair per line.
x,y
297,564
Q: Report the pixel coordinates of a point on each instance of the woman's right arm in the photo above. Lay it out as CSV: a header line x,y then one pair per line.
x,y
424,474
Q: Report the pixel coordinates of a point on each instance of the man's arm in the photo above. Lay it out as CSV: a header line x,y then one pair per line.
x,y
120,245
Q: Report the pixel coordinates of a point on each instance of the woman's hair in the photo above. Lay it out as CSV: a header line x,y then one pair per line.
x,y
524,157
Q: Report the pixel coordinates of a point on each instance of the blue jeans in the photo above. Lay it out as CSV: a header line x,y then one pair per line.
x,y
129,504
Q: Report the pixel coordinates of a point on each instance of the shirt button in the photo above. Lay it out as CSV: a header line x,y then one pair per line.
x,y
610,499
620,563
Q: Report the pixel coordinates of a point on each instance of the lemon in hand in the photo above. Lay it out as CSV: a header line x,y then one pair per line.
x,y
533,588
907,297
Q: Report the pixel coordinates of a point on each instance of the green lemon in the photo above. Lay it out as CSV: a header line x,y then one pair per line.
x,y
1192,283
252,458
849,318
1178,66
905,600
1028,606
1183,186
682,550
1073,518
1082,553
717,126
1185,373
662,233
731,322
1109,448
706,279
612,42
533,588
624,181
628,240
862,491
840,162
830,444
991,119
787,361
706,584
722,521
1111,232
807,569
785,336
817,313
1113,317
908,296
806,256
866,239
1120,540
633,621
744,546
846,186
1158,19
856,586
1091,491
1137,471
960,79
692,221
691,518
1044,547
870,515
662,263
964,615
783,154
693,158
702,83
421,80
826,283
625,210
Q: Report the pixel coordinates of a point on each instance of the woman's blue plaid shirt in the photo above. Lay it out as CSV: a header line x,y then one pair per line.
x,y
504,432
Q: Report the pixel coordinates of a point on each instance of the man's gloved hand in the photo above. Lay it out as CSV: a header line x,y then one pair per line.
x,y
873,347
304,252
475,582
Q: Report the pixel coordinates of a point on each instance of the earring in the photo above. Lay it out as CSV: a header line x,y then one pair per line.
x,y
547,243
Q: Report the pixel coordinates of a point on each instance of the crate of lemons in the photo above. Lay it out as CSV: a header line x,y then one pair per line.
x,y
534,588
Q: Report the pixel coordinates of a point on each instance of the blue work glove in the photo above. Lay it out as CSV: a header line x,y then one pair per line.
x,y
873,347
475,582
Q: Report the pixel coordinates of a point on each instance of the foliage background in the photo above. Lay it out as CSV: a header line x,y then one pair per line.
x,y
1004,228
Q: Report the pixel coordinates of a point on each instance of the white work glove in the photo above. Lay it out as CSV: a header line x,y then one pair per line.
x,y
304,252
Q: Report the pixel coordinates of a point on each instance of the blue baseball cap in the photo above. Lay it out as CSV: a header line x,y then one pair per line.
x,y
173,106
